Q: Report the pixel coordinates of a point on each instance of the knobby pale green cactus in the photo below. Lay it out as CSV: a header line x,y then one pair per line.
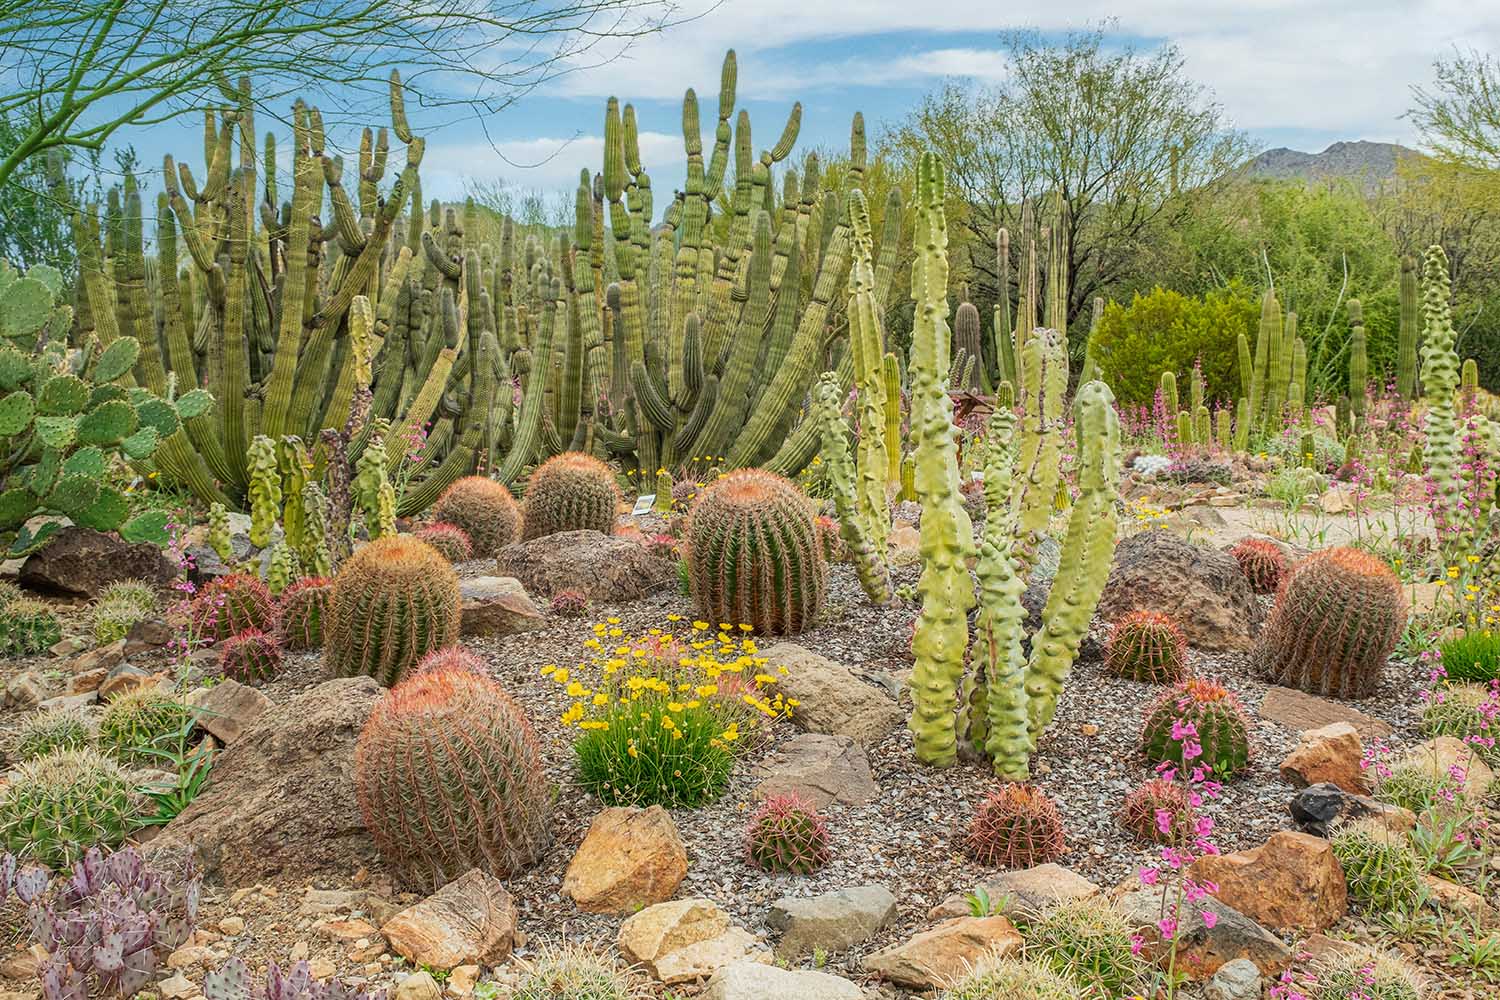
x,y
264,489
869,562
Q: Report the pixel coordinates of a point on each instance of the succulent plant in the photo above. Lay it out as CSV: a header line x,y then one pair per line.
x,y
835,549
1146,646
1220,728
1016,826
394,601
449,539
60,805
786,834
232,604
140,593
1088,942
300,611
1366,974
139,725
112,926
50,731
484,510
1382,870
569,492
449,778
754,556
572,971
1013,979
1262,562
1465,712
1156,802
231,981
570,603
112,619
1338,616
456,657
28,627
250,656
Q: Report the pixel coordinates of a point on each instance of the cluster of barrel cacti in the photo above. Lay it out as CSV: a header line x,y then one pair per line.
x,y
1016,826
786,834
483,510
1220,729
393,602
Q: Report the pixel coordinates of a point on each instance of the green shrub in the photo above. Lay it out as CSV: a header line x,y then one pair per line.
x,y
1473,656
1165,331
1088,941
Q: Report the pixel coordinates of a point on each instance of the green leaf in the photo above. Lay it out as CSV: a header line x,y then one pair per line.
x,y
15,368
107,423
73,494
117,359
194,403
24,308
158,413
148,527
16,505
16,411
141,444
88,461
106,513
63,396
57,432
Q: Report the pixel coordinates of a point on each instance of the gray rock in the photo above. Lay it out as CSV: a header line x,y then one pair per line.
x,y
1024,894
1318,808
749,980
1203,950
1203,589
496,606
1236,980
608,568
819,769
832,699
831,922
228,708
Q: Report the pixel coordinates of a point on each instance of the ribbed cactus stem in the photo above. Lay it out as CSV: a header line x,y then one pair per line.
x,y
872,460
1169,393
1406,338
1440,376
869,561
891,370
265,489
1359,364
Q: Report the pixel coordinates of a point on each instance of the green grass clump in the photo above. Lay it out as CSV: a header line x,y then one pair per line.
x,y
1473,656
1382,870
140,726
1088,942
48,732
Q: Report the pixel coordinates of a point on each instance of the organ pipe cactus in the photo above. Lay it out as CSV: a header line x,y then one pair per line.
x,y
1406,338
1359,365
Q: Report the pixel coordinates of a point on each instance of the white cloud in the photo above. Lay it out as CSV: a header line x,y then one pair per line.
x,y
545,163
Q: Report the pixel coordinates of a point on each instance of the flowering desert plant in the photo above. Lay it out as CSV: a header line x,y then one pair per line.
x,y
662,716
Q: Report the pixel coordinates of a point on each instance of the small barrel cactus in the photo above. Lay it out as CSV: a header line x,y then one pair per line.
x,y
112,620
1013,979
754,556
569,492
59,806
1158,811
138,593
1146,646
449,778
28,627
1466,712
394,601
835,549
1262,562
301,609
452,658
48,732
1338,616
451,541
570,603
232,604
143,721
484,510
1218,726
1017,826
250,656
787,835
1368,975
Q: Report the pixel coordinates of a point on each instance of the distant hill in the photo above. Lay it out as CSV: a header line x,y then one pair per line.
x,y
1369,163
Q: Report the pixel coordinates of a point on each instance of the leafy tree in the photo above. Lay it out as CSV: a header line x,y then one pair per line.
x,y
1460,114
1165,331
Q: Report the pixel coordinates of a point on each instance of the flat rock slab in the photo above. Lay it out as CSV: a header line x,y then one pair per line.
x,y
496,606
228,708
940,956
819,769
830,922
469,921
754,981
1300,711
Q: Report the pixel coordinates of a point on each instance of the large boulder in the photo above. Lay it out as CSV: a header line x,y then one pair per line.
x,y
82,562
469,921
496,606
608,568
281,800
831,699
1201,588
629,859
1291,882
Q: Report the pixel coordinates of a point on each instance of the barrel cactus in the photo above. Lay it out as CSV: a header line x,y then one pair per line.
x,y
139,723
1466,712
449,778
250,656
1013,979
1158,811
59,806
754,555
1017,826
1262,562
28,627
230,605
452,658
119,607
1218,725
786,834
569,492
570,603
1146,646
449,539
1338,616
484,510
393,601
48,732
300,611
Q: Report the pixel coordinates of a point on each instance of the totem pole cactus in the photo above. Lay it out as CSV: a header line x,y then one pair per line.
x,y
869,561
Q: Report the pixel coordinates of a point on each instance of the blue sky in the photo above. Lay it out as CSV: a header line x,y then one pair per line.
x,y
1300,73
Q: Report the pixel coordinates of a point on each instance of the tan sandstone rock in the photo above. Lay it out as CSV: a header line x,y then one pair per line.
x,y
630,858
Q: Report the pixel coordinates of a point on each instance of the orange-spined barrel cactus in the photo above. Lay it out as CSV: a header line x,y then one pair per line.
x,y
1262,562
451,541
230,605
1146,646
302,607
1204,714
754,555
393,601
1338,615
449,778
569,492
1018,826
484,509
250,656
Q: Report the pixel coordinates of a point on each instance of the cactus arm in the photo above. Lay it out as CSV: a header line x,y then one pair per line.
x,y
869,560
872,463
1406,346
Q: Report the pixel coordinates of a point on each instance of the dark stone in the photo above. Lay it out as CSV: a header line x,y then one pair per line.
x,y
82,562
1201,588
610,569
1319,808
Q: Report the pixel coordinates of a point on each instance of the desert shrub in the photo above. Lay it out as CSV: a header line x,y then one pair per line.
x,y
1166,331
1473,656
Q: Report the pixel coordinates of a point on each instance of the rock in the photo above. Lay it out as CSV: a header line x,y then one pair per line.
x,y
939,957
123,680
345,930
87,682
1300,711
1291,882
25,690
82,562
685,940
69,702
228,708
1332,754
832,700
100,657
496,606
1202,589
418,986
282,796
830,922
1319,808
190,957
21,965
67,646
1236,980
749,980
462,979
1443,756
1023,894
147,634
321,968
1202,950
630,858
331,901
177,987
1458,900
1320,948
821,770
232,926
469,921
610,569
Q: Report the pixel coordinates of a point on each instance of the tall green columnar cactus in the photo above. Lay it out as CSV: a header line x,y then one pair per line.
x,y
1269,328
947,536
891,368
1406,339
1468,384
869,561
966,339
1090,366
1005,343
1242,424
1359,365
1439,384
872,462
1246,365
1169,394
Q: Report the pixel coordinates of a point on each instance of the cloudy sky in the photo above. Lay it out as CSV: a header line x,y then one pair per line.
x,y
1299,73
